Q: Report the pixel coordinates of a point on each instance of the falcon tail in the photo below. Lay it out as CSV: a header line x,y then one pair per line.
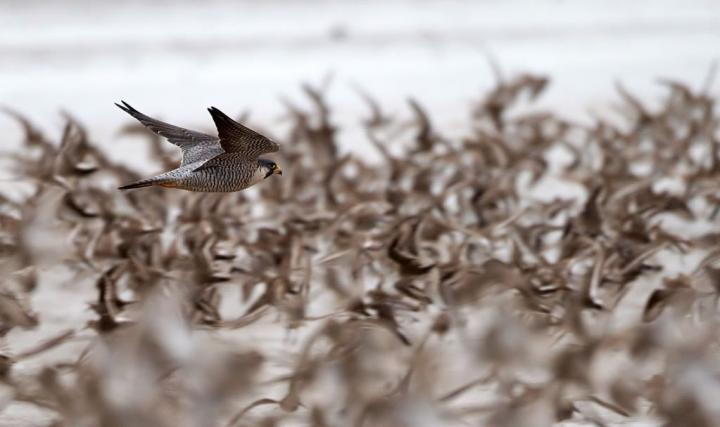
x,y
149,183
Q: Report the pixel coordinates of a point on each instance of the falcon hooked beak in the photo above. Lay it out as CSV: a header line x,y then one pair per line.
x,y
276,170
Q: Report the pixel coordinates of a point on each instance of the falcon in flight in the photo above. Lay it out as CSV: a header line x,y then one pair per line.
x,y
227,162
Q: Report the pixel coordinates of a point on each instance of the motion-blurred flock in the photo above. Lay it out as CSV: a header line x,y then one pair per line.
x,y
535,271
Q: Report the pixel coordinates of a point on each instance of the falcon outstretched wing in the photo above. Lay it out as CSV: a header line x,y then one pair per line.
x,y
236,138
195,146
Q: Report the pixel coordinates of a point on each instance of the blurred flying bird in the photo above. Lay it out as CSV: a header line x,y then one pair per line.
x,y
228,162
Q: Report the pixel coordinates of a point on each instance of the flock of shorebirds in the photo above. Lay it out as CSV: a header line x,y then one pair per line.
x,y
384,269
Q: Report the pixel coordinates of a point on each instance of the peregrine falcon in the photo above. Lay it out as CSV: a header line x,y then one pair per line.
x,y
228,162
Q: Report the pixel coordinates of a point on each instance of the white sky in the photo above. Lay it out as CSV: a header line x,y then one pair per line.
x,y
174,59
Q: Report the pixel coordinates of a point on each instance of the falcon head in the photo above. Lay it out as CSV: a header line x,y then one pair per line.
x,y
268,167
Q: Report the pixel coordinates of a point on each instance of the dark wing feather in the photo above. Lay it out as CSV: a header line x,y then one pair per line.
x,y
223,160
195,146
236,138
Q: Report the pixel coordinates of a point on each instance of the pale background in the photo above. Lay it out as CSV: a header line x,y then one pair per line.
x,y
174,59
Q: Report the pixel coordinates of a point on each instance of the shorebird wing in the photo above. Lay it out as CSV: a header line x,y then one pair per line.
x,y
236,138
195,146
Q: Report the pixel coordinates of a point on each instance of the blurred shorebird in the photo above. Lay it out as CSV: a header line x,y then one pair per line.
x,y
227,162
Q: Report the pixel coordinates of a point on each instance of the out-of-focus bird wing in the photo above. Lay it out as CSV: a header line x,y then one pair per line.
x,y
236,138
195,146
